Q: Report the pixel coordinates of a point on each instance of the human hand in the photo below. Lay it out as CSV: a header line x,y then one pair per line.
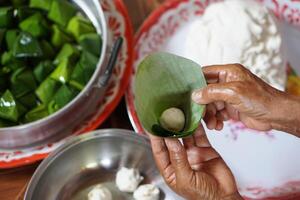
x,y
194,170
233,92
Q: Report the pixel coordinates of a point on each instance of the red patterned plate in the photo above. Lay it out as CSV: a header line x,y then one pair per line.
x,y
118,25
266,166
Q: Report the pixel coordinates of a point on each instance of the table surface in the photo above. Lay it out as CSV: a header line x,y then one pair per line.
x,y
14,181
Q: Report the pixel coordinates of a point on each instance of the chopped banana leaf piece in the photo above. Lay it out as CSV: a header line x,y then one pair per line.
x,y
63,96
6,17
8,107
36,25
25,12
166,81
37,113
47,89
79,26
29,100
41,4
61,12
48,50
59,37
6,58
43,69
63,71
91,42
26,46
10,38
68,51
18,3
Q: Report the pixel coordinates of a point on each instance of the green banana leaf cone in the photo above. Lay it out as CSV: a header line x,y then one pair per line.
x,y
165,81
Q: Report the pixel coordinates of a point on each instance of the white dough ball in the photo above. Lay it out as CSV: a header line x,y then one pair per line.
x,y
100,192
127,180
172,119
146,192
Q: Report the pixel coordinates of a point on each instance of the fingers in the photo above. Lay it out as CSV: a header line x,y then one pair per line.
x,y
178,157
200,137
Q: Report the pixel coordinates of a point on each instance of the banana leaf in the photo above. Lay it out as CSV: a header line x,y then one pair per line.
x,y
41,4
6,17
79,26
63,96
68,51
10,38
163,81
42,70
63,71
36,25
47,90
37,113
22,82
18,3
24,12
59,37
29,100
26,46
2,33
48,50
84,70
8,107
6,57
61,11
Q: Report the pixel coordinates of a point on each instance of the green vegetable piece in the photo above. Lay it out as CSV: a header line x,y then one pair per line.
x,y
63,71
2,33
6,123
18,3
3,79
47,89
78,26
11,37
91,42
84,70
59,37
22,82
6,17
43,69
25,12
6,57
29,100
26,46
48,50
8,107
61,12
15,64
63,96
68,51
37,113
41,4
35,25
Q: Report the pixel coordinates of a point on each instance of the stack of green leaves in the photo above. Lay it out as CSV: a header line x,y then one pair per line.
x,y
49,51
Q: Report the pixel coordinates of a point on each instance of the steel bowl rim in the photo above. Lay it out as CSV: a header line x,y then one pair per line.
x,y
74,141
88,86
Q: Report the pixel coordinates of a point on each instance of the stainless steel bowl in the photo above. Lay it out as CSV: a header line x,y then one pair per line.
x,y
85,161
81,108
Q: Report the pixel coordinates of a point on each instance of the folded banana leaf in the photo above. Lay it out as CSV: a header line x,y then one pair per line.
x,y
10,38
22,82
68,51
42,70
37,113
47,90
8,107
91,42
6,17
41,4
59,37
61,11
164,81
26,46
63,71
79,26
84,70
36,25
63,96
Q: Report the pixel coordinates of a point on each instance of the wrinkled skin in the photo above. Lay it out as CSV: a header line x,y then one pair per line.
x,y
194,170
233,92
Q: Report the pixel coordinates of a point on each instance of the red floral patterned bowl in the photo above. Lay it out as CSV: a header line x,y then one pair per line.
x,y
266,165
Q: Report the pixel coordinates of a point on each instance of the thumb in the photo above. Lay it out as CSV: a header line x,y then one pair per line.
x,y
225,92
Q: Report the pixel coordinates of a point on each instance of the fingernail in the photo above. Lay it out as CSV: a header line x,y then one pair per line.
x,y
173,145
197,96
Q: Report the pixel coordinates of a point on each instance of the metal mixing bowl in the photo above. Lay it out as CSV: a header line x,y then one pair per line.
x,y
85,161
65,121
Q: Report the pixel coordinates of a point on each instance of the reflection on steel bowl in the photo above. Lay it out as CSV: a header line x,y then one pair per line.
x,y
67,119
84,162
